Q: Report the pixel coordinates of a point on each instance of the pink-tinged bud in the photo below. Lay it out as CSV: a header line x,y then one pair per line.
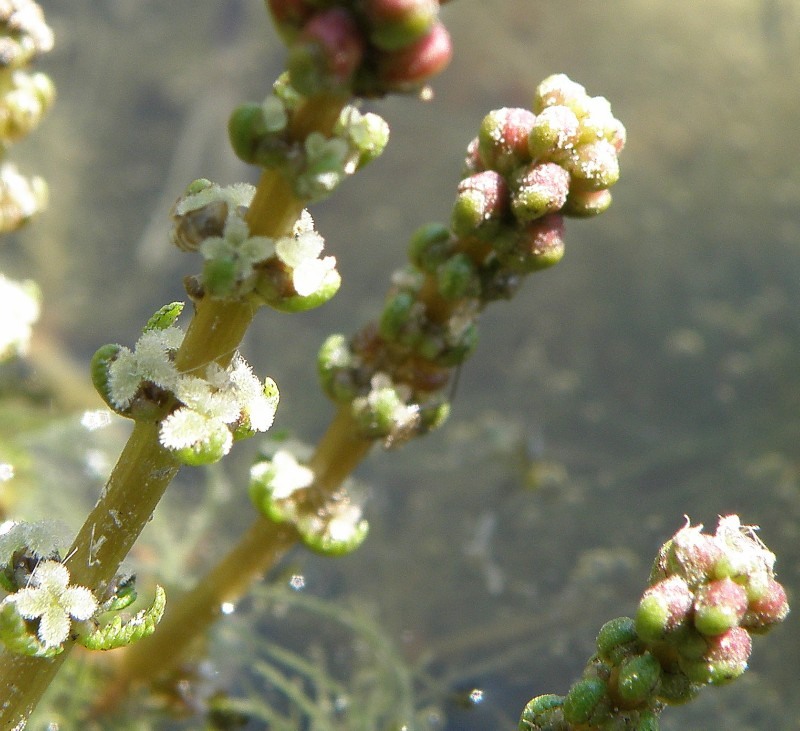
x,y
558,89
539,190
724,660
593,166
472,160
482,200
691,554
538,245
617,135
290,16
587,203
503,138
554,131
663,608
410,67
768,610
719,606
327,52
395,24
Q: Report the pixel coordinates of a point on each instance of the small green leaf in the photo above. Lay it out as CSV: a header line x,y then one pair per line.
x,y
118,633
164,317
16,638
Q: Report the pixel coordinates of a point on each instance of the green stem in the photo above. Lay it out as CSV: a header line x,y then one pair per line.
x,y
186,620
337,455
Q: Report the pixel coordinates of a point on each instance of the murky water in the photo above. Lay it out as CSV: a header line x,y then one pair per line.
x,y
652,374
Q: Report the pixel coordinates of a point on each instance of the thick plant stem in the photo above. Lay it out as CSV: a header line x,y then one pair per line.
x,y
338,453
185,621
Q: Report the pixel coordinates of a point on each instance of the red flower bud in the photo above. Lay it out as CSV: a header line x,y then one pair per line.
x,y
719,606
538,190
768,610
663,608
724,660
327,52
538,245
503,138
410,67
395,24
482,199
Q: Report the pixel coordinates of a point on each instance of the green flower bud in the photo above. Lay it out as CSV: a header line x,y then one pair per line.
x,y
618,640
558,90
676,689
458,278
397,316
587,702
430,246
538,190
584,204
647,721
541,712
448,349
593,166
554,131
638,679
334,364
246,130
378,413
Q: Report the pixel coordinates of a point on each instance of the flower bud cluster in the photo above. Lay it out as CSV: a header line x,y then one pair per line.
x,y
261,134
201,413
362,47
286,273
507,222
283,491
24,99
708,595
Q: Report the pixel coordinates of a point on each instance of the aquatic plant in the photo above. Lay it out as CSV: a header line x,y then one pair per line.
x,y
191,396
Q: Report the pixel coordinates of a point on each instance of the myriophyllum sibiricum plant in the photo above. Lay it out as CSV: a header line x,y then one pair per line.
x,y
192,396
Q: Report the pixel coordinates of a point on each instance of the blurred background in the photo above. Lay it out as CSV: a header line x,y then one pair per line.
x,y
653,374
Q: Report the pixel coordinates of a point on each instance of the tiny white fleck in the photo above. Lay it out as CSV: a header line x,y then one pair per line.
x,y
297,582
227,608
